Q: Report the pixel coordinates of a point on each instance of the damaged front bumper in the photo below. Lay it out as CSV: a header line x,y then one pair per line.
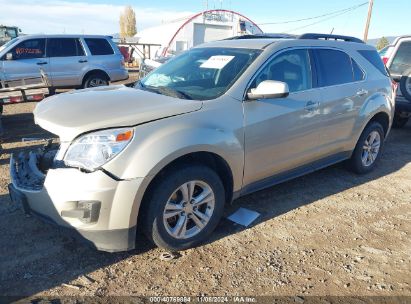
x,y
93,205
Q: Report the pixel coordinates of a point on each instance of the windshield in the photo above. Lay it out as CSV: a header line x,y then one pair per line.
x,y
10,42
200,74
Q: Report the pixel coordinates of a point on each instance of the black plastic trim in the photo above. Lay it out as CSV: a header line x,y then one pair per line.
x,y
294,173
330,37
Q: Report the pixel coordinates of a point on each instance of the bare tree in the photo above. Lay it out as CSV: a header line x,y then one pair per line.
x,y
128,22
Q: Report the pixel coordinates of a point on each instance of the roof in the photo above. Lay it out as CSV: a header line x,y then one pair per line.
x,y
306,40
246,43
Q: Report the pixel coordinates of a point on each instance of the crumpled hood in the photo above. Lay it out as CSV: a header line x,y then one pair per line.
x,y
70,114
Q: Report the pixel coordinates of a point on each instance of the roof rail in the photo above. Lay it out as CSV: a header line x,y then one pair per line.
x,y
262,36
330,37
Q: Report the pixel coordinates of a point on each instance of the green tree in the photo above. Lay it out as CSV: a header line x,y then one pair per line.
x,y
128,22
382,43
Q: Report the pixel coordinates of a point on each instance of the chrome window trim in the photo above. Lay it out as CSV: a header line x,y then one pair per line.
x,y
306,48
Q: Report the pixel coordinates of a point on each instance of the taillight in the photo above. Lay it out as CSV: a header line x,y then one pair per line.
x,y
394,87
385,60
16,99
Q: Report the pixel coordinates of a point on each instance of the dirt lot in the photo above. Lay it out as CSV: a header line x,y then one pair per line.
x,y
328,233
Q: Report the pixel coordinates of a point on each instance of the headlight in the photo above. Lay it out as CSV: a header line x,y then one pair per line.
x,y
93,150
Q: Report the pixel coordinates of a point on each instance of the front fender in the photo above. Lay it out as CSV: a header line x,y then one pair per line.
x,y
157,144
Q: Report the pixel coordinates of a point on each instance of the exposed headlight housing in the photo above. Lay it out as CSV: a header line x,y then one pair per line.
x,y
91,151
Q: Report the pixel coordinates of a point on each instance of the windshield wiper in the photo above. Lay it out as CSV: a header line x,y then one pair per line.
x,y
166,91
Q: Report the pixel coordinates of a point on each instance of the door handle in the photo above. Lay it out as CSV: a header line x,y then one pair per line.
x,y
41,62
311,105
362,92
82,60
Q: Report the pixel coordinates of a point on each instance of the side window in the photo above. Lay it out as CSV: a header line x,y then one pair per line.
x,y
64,47
29,49
291,67
333,67
99,46
402,60
357,71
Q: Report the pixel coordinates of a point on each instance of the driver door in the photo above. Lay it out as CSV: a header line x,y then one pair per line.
x,y
282,134
28,57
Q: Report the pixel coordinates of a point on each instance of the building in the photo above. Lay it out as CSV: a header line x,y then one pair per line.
x,y
183,34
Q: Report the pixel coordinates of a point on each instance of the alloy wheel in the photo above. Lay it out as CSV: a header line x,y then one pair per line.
x,y
97,82
189,209
371,148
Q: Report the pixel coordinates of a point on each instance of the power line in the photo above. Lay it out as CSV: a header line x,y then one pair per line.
x,y
326,19
316,17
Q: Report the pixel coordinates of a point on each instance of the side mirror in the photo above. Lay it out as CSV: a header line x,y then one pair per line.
x,y
269,89
9,56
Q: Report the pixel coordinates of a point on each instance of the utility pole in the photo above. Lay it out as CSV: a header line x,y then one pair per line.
x,y
367,25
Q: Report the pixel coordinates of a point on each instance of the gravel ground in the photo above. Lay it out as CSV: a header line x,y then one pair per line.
x,y
328,233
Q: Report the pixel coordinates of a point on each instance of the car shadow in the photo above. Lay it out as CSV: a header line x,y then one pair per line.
x,y
29,244
280,199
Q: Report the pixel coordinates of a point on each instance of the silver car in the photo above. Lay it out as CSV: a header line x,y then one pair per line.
x,y
70,61
215,123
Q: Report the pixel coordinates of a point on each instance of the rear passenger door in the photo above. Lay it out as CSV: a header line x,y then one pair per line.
x,y
341,86
67,61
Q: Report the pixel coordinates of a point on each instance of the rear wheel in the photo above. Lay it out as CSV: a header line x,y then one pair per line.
x,y
95,80
368,149
184,207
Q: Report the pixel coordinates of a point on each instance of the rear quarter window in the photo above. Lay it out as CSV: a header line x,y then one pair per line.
x,y
374,58
99,46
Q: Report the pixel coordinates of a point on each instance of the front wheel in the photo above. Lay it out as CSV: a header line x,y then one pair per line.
x,y
368,149
184,207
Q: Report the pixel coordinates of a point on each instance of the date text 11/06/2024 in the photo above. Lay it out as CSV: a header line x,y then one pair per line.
x,y
203,299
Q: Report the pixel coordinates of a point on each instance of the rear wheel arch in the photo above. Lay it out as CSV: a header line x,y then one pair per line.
x,y
383,119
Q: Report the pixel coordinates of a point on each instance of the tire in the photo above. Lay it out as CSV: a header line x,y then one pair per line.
x,y
52,91
405,86
159,224
95,80
399,122
357,163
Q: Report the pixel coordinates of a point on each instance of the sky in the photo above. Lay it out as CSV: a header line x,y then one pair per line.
x,y
390,17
